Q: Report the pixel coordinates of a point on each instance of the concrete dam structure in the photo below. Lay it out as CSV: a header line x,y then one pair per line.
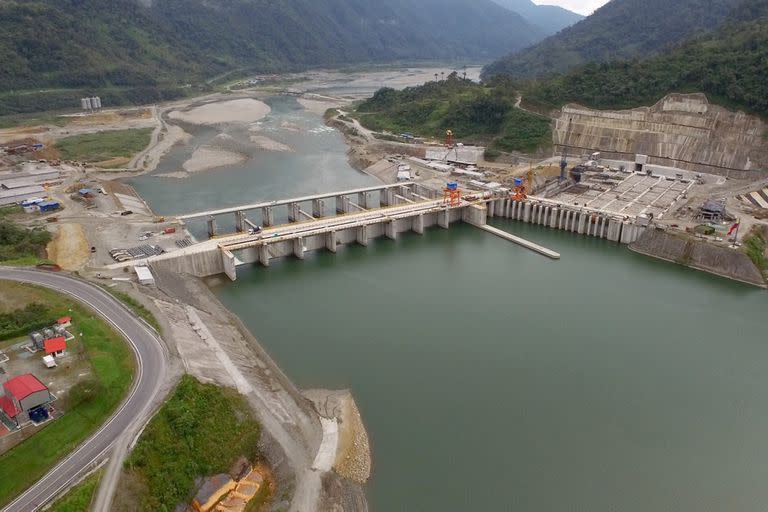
x,y
681,130
578,219
400,208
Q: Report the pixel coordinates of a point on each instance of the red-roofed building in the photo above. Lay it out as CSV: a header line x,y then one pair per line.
x,y
66,321
8,407
55,346
23,394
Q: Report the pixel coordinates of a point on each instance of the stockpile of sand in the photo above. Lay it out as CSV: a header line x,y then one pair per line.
x,y
245,110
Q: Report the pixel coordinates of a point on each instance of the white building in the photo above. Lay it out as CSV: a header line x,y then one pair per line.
x,y
145,275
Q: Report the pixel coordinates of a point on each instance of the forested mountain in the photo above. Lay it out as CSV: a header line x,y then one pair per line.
x,y
729,65
97,43
621,29
549,18
476,113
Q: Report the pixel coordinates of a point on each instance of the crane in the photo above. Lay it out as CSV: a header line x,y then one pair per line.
x,y
564,157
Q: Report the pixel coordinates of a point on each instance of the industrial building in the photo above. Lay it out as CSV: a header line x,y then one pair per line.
x,y
17,187
456,154
713,211
25,399
144,275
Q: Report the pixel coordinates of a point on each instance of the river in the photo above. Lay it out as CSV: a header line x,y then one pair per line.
x,y
492,378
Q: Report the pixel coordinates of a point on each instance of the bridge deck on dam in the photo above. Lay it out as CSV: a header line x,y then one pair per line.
x,y
409,186
217,255
408,207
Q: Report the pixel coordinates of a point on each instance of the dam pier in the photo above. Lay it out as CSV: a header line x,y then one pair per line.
x,y
294,226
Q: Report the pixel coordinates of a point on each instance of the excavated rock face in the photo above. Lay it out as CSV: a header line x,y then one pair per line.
x,y
681,130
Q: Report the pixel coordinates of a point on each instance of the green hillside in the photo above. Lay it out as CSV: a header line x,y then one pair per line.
x,y
127,50
729,65
476,113
621,29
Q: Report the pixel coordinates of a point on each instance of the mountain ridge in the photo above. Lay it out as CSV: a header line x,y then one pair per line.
x,y
98,43
619,30
551,19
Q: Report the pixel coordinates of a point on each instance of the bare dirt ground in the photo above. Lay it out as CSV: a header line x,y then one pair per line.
x,y
107,120
69,248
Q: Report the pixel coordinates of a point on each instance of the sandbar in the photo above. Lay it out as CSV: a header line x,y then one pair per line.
x,y
244,110
204,159
268,144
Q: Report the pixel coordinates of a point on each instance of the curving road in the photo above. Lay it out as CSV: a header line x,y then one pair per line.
x,y
151,374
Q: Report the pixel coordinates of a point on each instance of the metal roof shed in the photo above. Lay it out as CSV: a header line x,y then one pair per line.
x,y
144,274
26,392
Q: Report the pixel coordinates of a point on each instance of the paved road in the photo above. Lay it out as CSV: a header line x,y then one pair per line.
x,y
151,373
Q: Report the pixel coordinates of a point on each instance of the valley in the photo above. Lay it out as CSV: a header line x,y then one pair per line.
x,y
355,251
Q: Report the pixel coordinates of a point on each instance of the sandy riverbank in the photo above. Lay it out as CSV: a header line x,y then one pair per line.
x,y
319,106
245,110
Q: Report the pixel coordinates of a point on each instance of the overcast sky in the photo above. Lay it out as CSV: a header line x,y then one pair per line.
x,y
580,6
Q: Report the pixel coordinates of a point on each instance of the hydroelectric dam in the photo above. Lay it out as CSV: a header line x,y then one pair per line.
x,y
291,227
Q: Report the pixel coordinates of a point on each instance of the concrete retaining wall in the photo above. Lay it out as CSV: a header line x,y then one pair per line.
x,y
722,261
197,263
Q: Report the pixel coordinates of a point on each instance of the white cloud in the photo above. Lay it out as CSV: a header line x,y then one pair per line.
x,y
580,6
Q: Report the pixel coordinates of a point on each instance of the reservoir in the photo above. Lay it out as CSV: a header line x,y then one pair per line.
x,y
493,378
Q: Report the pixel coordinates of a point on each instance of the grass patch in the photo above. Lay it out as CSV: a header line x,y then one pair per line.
x,y
25,261
21,245
79,498
98,147
88,406
45,118
202,430
11,209
136,306
755,245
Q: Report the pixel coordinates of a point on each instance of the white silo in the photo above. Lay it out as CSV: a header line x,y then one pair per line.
x,y
96,102
85,103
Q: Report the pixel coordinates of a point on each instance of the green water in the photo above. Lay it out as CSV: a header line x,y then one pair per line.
x,y
492,378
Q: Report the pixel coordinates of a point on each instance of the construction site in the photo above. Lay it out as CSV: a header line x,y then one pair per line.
x,y
106,228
